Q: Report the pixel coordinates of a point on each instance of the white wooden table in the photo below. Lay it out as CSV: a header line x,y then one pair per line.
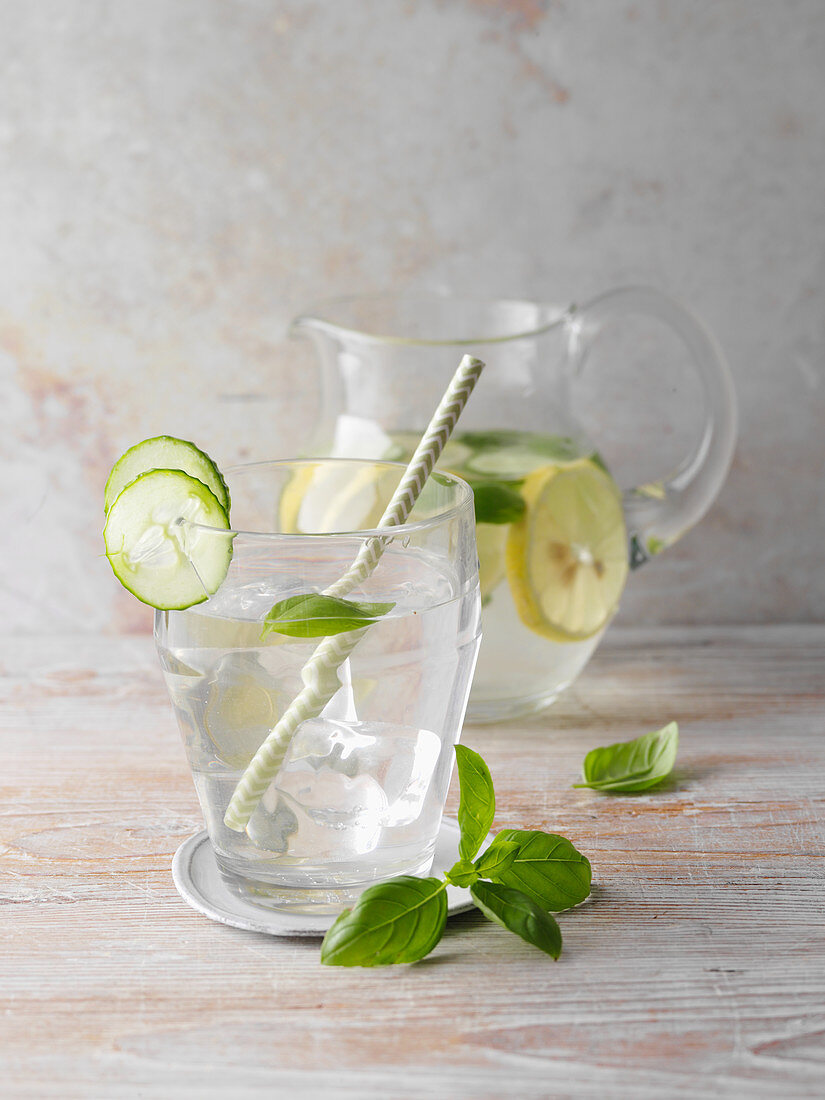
x,y
696,970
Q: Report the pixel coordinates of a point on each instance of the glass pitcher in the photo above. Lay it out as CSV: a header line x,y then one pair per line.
x,y
555,535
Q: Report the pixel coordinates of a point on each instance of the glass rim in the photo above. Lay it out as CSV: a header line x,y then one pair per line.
x,y
312,319
449,512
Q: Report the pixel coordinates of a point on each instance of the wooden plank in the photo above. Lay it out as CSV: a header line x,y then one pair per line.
x,y
696,969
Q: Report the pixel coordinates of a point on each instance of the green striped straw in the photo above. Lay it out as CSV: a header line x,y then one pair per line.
x,y
320,673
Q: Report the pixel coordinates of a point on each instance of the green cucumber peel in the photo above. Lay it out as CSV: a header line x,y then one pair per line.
x,y
147,545
494,440
165,452
559,448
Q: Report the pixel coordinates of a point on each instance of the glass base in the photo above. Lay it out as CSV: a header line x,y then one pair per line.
x,y
310,899
482,712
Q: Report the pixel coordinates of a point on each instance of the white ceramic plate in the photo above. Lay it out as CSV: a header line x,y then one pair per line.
x,y
199,883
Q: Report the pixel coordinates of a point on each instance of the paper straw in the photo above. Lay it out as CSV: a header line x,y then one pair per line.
x,y
320,673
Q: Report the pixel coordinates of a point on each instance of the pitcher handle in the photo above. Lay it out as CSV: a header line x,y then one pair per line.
x,y
658,514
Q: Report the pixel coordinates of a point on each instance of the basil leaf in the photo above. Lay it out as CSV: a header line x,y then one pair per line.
x,y
497,503
546,867
632,766
496,859
398,921
515,911
597,460
477,801
312,615
462,873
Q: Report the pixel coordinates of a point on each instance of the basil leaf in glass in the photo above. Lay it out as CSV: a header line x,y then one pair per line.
x,y
632,766
477,801
398,921
546,867
520,914
313,615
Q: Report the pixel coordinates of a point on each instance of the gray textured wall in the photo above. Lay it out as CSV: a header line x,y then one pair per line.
x,y
178,178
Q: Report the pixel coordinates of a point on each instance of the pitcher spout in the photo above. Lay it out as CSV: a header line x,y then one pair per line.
x,y
305,325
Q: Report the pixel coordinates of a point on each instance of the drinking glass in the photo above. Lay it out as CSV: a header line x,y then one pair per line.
x,y
361,789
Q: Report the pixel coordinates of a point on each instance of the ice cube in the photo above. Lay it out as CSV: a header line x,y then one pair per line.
x,y
318,813
342,703
272,831
399,759
340,785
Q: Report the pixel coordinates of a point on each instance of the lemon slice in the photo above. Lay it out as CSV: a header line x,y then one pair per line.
x,y
566,557
323,499
243,703
363,501
292,497
452,457
491,543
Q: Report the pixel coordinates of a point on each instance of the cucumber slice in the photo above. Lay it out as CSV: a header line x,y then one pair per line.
x,y
167,563
517,461
402,445
559,448
452,457
164,452
508,464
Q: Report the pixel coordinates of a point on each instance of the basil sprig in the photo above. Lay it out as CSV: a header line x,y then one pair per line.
x,y
515,882
313,615
632,766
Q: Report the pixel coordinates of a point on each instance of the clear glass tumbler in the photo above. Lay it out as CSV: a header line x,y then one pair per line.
x,y
361,789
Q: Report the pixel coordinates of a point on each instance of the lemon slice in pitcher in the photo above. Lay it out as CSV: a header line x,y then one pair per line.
x,y
491,544
293,495
566,557
343,497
